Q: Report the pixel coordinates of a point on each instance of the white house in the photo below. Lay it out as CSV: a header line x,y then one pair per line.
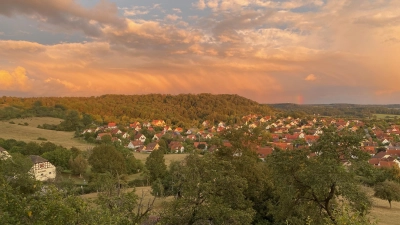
x,y
4,154
42,169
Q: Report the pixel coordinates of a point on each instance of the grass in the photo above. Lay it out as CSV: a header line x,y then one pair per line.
x,y
32,133
141,192
381,211
168,157
385,116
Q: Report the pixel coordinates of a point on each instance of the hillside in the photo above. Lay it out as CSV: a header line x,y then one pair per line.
x,y
338,110
174,108
31,133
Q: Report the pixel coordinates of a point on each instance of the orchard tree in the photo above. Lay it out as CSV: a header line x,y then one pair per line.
x,y
78,165
105,158
388,190
313,183
155,164
208,191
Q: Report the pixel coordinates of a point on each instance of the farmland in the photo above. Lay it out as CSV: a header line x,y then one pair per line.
x,y
32,133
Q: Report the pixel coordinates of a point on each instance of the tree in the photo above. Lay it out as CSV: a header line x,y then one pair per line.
x,y
155,164
203,196
78,165
59,157
313,183
105,158
388,190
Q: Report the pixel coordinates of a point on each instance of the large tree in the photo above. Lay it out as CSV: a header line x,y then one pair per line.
x,y
314,183
155,164
105,158
388,190
78,165
208,191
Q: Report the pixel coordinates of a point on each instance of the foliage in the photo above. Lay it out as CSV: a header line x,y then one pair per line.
x,y
59,157
336,110
183,109
78,165
203,196
388,190
313,186
26,201
155,164
105,158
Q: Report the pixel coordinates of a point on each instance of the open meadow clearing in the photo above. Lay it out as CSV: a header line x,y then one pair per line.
x,y
386,116
381,212
168,157
32,133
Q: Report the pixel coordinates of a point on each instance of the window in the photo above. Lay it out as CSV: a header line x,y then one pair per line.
x,y
41,174
49,172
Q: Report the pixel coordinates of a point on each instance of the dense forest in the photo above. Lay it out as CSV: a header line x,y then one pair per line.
x,y
338,110
184,108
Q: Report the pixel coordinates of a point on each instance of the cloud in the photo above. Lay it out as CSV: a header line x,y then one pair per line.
x,y
67,14
15,80
172,17
311,77
255,48
200,4
136,10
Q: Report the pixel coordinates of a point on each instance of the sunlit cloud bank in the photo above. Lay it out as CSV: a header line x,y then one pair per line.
x,y
301,51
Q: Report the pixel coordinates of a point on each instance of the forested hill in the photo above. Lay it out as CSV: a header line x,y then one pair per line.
x,y
123,108
339,110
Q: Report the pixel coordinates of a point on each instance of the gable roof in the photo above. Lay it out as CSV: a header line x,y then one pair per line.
x,y
37,159
2,149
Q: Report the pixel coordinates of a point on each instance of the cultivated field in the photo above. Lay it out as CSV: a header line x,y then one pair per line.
x,y
168,157
32,133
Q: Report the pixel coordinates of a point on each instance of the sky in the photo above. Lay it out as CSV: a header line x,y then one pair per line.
x,y
297,51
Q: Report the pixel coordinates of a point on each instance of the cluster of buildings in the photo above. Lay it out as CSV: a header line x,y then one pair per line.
x,y
383,144
284,133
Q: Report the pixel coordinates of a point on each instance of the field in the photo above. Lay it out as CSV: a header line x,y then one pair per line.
x,y
168,157
32,133
385,116
381,211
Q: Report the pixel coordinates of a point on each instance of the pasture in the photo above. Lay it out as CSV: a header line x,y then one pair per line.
x,y
382,213
386,116
32,133
168,157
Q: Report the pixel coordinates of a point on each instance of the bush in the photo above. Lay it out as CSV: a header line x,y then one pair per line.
x,y
42,139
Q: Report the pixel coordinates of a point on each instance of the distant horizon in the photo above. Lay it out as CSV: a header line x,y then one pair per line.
x,y
300,51
276,103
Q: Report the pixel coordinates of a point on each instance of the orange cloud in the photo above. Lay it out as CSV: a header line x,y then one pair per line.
x,y
16,80
310,77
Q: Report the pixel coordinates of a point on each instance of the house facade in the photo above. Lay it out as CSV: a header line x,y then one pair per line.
x,y
42,169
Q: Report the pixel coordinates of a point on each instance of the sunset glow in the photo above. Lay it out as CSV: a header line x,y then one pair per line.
x,y
300,51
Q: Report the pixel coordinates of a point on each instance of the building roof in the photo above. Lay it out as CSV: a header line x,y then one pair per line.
x,y
37,159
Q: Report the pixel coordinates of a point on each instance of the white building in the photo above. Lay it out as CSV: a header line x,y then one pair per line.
x,y
42,169
4,154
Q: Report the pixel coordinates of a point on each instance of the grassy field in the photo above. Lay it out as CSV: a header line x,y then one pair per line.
x,y
382,213
168,157
142,192
385,116
32,133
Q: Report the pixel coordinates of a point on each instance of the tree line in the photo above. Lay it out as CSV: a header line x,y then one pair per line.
x,y
337,110
183,109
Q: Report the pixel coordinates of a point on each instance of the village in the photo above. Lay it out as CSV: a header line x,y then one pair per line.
x,y
382,143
